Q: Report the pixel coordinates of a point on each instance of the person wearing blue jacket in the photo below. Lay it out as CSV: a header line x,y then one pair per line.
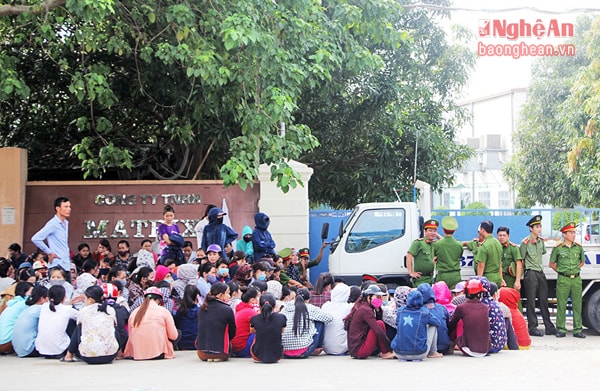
x,y
216,232
415,338
440,312
245,243
262,241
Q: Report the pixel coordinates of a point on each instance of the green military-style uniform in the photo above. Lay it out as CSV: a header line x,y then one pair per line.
x,y
568,284
422,252
510,256
449,254
536,286
473,245
490,253
531,252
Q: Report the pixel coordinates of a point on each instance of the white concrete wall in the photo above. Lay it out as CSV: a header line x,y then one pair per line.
x,y
289,212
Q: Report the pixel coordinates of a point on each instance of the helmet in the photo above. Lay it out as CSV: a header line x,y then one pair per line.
x,y
474,287
153,291
372,290
110,290
214,248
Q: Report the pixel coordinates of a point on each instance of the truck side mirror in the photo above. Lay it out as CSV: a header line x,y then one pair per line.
x,y
341,230
324,231
421,221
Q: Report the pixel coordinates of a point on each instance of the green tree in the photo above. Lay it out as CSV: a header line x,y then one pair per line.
x,y
477,206
199,89
549,121
373,129
583,158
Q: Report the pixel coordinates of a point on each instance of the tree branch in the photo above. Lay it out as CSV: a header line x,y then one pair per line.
x,y
18,9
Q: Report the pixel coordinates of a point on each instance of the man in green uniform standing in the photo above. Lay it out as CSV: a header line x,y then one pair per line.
x,y
566,260
532,249
489,256
512,262
419,259
448,254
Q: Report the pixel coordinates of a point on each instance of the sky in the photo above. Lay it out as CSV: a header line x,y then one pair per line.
x,y
494,74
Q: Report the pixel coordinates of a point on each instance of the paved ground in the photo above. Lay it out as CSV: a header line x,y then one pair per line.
x,y
549,364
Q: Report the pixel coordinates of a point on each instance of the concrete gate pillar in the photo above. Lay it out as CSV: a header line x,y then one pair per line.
x,y
13,180
289,212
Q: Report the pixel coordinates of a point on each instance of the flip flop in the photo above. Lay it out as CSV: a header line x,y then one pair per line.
x,y
65,360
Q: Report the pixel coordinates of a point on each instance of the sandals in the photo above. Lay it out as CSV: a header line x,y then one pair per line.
x,y
63,359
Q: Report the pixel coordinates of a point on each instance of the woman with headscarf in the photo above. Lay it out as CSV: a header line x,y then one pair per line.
x,y
216,232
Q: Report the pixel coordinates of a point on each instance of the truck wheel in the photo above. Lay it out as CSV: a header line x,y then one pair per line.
x,y
591,311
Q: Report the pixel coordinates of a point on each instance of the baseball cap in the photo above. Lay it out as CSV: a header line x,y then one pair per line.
x,y
459,287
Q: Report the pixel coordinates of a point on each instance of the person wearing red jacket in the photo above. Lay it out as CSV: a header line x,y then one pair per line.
x,y
366,334
244,311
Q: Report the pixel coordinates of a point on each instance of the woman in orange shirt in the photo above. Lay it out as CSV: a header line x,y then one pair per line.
x,y
151,329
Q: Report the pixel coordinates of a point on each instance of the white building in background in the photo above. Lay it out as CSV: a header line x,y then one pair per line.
x,y
494,119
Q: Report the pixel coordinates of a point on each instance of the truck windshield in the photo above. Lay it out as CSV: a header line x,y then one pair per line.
x,y
374,228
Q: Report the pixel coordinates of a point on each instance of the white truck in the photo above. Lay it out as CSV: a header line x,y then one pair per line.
x,y
376,236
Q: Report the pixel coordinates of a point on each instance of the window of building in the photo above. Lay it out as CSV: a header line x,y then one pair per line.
x,y
504,201
484,197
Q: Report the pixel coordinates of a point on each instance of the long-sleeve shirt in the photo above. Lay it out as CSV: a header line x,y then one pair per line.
x,y
216,327
151,337
305,337
363,321
56,232
476,334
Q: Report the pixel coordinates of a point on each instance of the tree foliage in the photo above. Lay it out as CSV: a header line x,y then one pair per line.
x,y
202,89
373,126
551,120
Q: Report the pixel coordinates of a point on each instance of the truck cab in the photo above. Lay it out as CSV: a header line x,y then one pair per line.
x,y
375,239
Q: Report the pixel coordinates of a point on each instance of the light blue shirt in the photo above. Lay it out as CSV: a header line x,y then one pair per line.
x,y
57,235
26,330
9,317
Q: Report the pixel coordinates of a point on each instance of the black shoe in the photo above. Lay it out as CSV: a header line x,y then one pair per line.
x,y
535,333
560,335
551,332
579,335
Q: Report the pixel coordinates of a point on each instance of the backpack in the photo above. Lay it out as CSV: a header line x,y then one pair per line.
x,y
172,252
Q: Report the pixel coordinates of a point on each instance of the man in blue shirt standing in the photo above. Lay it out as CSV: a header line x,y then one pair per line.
x,y
56,233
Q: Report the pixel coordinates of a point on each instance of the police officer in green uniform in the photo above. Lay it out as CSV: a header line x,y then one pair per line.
x,y
512,262
532,248
448,254
566,260
489,255
419,259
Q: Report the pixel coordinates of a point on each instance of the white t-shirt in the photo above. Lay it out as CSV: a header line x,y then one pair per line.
x,y
52,338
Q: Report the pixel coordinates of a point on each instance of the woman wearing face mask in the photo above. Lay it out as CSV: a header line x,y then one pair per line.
x,y
245,243
208,276
223,272
57,276
366,334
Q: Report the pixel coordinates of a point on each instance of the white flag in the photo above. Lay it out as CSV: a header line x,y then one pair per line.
x,y
226,219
